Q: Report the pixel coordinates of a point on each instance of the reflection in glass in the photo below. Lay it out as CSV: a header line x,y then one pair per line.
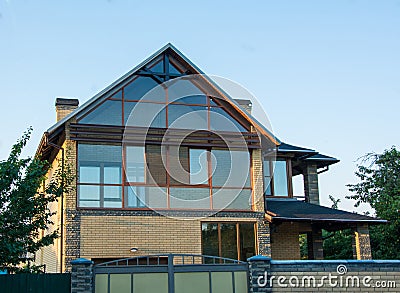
x,y
222,121
112,175
231,199
181,88
187,117
280,179
228,240
145,114
142,196
247,241
198,166
158,67
108,113
140,87
89,174
209,236
102,165
190,198
232,168
192,100
89,193
135,163
267,177
113,196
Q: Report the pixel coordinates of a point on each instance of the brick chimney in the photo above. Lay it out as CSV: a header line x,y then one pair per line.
x,y
65,106
244,104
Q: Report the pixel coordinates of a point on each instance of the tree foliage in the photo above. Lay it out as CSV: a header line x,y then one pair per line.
x,y
24,207
337,244
379,186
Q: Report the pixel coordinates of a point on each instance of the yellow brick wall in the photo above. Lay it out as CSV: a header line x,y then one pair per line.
x,y
258,185
114,236
285,242
50,255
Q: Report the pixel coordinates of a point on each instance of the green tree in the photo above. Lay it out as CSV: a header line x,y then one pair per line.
x,y
337,244
379,187
24,212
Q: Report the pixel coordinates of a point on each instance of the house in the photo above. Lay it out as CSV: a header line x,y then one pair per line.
x,y
167,162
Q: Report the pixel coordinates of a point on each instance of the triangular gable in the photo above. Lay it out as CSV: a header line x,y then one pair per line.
x,y
152,65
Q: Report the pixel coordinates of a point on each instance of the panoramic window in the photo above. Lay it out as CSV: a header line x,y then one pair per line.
x,y
139,88
147,183
108,113
229,240
135,164
222,121
100,176
276,179
191,110
223,165
198,166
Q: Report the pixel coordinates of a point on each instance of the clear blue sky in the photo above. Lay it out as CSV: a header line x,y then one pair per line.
x,y
327,72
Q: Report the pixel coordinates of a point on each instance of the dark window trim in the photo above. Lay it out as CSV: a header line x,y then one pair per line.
x,y
237,225
272,174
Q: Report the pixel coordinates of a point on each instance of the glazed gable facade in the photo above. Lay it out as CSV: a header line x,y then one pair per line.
x,y
166,162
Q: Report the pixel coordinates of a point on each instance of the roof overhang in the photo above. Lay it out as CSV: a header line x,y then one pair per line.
x,y
280,210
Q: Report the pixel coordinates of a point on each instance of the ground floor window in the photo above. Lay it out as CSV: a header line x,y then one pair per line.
x,y
230,240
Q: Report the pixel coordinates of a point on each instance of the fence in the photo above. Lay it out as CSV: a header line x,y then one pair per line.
x,y
35,283
191,273
268,275
171,273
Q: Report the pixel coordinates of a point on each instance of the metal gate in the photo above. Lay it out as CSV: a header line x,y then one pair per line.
x,y
172,273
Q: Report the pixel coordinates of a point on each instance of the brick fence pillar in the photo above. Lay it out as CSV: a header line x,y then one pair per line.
x,y
260,273
361,242
315,244
81,276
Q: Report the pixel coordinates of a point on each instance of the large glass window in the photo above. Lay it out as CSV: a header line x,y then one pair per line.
x,y
145,114
108,113
222,121
139,88
100,176
135,164
276,179
230,240
247,240
231,199
226,172
280,179
144,196
175,179
198,166
187,117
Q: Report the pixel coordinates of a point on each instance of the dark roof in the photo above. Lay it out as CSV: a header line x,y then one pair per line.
x,y
305,155
287,209
285,147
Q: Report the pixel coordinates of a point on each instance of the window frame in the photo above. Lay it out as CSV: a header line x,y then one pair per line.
x,y
211,103
126,184
237,227
289,183
101,183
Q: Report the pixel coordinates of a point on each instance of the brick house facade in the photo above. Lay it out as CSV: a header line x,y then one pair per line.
x,y
128,201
